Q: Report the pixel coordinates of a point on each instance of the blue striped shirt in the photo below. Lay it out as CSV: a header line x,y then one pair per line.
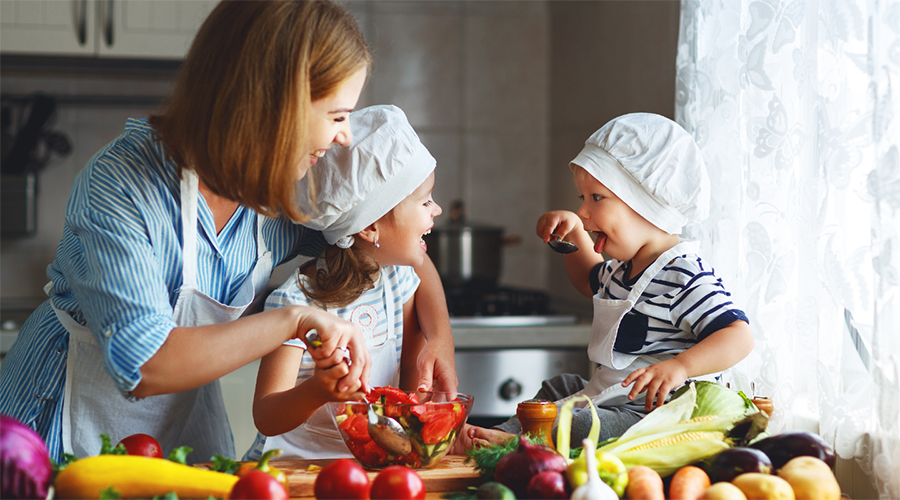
x,y
402,282
118,269
683,304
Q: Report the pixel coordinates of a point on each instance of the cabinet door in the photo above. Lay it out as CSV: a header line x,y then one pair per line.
x,y
159,29
51,27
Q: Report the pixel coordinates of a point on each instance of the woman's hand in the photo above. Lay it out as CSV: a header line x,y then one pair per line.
x,y
437,367
336,336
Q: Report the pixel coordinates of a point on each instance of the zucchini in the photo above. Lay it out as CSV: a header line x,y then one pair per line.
x,y
140,477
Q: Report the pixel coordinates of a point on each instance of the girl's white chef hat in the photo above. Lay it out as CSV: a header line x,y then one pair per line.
x,y
357,185
651,164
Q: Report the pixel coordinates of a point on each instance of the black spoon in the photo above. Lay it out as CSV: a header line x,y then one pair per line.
x,y
562,246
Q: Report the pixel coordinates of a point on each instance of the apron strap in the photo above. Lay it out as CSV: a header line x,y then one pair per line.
x,y
190,196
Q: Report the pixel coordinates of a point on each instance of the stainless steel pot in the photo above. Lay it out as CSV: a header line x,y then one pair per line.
x,y
465,253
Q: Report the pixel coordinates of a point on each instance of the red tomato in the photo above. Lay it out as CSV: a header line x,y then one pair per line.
x,y
357,426
340,479
257,485
397,482
437,428
143,445
373,455
392,395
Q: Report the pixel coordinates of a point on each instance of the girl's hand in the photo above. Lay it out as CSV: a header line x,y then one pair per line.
x,y
327,376
559,223
337,335
658,380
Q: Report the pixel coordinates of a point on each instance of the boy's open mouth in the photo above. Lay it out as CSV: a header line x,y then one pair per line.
x,y
599,241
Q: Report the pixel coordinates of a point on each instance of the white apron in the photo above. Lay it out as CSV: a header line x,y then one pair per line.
x,y
93,404
318,437
605,386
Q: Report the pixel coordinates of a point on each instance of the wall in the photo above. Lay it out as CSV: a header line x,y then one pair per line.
x,y
502,93
607,58
471,76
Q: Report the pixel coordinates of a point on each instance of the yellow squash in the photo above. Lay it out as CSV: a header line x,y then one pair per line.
x,y
140,477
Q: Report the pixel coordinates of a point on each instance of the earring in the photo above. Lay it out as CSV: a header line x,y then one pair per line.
x,y
376,243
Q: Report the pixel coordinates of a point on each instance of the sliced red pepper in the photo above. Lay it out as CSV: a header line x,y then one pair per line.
x,y
438,427
392,395
373,455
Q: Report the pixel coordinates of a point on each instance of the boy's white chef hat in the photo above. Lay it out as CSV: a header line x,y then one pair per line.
x,y
357,185
651,164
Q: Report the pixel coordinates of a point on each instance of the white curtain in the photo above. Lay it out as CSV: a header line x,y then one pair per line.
x,y
796,106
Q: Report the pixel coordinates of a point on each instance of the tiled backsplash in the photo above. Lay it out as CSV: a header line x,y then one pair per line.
x,y
476,79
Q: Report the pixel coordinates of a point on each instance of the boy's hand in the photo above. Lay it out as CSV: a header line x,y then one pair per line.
x,y
658,380
559,223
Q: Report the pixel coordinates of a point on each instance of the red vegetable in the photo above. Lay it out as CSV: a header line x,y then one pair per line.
x,y
517,467
341,479
548,485
144,445
357,426
26,468
397,482
438,427
258,485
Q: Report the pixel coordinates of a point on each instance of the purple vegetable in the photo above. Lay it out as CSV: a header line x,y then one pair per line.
x,y
26,468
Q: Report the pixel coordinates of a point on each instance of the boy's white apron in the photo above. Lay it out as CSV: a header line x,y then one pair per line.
x,y
318,437
93,404
605,386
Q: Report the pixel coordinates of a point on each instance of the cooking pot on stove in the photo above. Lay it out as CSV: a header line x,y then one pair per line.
x,y
466,253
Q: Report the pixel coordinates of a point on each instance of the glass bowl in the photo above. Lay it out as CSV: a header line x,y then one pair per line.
x,y
431,420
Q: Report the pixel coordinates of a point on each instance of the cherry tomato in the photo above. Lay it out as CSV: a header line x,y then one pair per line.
x,y
263,466
143,445
341,479
397,482
357,426
257,485
438,427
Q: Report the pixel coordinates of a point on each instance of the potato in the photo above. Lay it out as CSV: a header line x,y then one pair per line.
x,y
723,491
757,486
811,479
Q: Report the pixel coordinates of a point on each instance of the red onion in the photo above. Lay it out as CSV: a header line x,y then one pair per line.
x,y
517,468
548,485
26,468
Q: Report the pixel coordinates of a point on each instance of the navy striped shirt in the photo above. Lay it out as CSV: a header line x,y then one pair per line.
x,y
681,306
118,270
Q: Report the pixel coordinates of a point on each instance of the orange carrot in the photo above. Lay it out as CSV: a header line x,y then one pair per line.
x,y
688,483
644,483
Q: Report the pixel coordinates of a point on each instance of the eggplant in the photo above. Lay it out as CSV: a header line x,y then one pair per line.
x,y
728,464
782,447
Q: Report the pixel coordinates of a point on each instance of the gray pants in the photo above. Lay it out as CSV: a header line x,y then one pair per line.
x,y
614,420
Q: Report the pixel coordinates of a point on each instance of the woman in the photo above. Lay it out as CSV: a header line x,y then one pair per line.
x,y
175,226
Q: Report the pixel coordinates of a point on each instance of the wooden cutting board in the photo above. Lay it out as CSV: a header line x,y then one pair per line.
x,y
450,474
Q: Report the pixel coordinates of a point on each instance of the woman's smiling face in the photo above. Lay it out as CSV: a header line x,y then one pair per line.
x,y
329,119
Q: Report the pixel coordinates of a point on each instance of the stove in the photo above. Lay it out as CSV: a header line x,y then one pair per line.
x,y
508,341
502,307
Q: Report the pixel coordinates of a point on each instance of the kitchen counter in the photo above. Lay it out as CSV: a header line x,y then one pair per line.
x,y
507,337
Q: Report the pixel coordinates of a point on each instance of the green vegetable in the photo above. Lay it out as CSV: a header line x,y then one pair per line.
x,y
106,448
716,399
179,455
668,438
224,464
493,490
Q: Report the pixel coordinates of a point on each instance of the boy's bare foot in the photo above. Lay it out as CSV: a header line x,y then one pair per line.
x,y
471,435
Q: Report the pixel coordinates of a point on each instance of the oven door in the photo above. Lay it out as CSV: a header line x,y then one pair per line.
x,y
500,379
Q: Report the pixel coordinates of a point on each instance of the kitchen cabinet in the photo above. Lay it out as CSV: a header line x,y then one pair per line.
x,y
150,29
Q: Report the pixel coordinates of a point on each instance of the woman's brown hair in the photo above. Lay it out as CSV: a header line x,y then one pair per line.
x,y
238,114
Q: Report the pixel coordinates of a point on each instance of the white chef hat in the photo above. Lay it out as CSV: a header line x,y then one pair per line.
x,y
651,164
357,185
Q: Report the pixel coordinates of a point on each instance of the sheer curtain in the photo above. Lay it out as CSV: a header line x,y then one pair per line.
x,y
796,106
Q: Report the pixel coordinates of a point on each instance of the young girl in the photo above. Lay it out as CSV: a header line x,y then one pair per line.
x,y
373,204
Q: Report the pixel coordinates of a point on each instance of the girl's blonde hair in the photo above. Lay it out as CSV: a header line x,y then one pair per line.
x,y
346,275
238,114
